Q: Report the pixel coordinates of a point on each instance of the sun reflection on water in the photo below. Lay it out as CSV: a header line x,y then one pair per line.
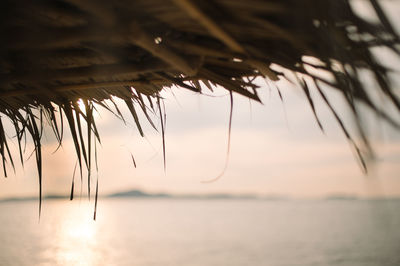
x,y
83,230
75,238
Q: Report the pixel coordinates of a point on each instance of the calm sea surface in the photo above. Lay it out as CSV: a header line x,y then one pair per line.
x,y
201,232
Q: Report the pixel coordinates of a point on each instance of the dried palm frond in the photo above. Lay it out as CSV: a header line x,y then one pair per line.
x,y
56,52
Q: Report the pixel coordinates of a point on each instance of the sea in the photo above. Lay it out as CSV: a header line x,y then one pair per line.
x,y
196,232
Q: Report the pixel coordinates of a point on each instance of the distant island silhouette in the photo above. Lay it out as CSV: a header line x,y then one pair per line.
x,y
136,193
140,194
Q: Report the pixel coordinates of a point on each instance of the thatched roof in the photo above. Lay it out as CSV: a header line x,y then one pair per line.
x,y
55,52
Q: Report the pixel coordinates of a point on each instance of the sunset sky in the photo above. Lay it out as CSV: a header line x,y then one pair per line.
x,y
276,149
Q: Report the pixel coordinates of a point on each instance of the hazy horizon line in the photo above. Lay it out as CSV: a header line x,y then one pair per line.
x,y
138,193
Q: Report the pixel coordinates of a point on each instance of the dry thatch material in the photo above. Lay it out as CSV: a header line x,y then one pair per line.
x,y
55,52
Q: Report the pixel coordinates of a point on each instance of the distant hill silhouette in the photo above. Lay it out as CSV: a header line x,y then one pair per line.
x,y
138,194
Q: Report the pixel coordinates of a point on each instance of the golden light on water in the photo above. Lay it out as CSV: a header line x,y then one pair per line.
x,y
201,232
76,237
83,230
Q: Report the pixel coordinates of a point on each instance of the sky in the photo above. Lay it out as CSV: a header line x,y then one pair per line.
x,y
276,149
